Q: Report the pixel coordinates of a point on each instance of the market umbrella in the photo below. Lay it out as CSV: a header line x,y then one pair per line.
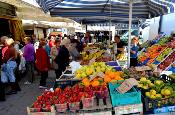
x,y
122,11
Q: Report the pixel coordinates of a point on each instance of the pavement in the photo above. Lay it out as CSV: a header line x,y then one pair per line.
x,y
16,104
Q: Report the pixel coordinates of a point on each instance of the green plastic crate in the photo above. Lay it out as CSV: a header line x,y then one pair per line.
x,y
133,96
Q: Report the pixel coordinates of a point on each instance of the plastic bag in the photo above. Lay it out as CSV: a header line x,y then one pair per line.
x,y
74,66
22,64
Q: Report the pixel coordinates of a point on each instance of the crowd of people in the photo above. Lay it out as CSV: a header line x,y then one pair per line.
x,y
41,55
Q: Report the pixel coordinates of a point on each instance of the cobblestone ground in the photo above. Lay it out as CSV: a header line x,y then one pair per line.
x,y
16,104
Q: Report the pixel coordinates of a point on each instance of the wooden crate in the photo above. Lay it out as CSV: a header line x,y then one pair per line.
x,y
30,112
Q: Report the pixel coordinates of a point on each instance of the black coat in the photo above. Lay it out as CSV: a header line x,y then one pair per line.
x,y
62,59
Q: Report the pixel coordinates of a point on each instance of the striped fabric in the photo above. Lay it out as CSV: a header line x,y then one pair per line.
x,y
46,5
89,11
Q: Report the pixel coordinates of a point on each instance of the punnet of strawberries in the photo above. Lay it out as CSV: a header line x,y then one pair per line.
x,y
69,95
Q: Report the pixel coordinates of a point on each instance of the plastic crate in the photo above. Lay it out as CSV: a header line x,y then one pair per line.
x,y
112,63
128,109
88,102
156,62
32,111
74,106
172,69
158,105
133,96
117,68
98,113
166,78
64,83
61,107
167,109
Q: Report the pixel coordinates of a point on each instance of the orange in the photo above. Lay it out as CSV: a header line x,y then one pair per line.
x,y
86,84
107,79
95,83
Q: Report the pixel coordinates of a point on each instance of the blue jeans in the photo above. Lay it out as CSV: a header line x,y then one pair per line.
x,y
7,72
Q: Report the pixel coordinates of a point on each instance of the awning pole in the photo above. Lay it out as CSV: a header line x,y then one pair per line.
x,y
130,23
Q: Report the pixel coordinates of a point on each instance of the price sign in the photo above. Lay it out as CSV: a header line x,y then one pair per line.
x,y
92,61
127,85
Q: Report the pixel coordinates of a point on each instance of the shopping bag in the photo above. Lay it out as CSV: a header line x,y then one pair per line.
x,y
4,78
22,64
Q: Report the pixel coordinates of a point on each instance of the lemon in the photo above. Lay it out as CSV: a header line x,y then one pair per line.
x,y
152,92
147,94
153,97
158,96
167,92
143,79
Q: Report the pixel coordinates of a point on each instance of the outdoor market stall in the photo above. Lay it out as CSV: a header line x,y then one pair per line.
x,y
102,88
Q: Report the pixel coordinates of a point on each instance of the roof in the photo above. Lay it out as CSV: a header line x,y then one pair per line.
x,y
89,11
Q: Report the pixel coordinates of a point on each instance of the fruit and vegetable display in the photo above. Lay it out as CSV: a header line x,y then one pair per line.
x,y
157,89
92,69
67,97
151,53
172,44
109,76
164,54
133,73
99,56
121,57
164,40
169,60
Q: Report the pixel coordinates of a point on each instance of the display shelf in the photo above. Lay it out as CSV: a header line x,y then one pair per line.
x,y
169,66
159,54
156,67
100,109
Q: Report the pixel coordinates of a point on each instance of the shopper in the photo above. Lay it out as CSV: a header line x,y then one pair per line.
x,y
118,45
42,63
46,46
9,67
134,51
62,59
73,50
52,41
2,85
29,55
54,52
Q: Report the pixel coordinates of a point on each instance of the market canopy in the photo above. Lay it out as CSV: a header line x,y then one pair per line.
x,y
95,11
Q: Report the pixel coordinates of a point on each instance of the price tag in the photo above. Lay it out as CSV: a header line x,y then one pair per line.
x,y
143,68
100,74
92,61
92,77
127,85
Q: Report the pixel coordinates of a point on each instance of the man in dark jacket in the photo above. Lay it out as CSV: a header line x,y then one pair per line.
x,y
62,59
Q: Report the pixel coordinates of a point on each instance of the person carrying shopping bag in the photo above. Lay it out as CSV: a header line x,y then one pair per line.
x,y
8,67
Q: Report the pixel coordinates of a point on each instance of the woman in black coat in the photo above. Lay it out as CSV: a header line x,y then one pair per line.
x,y
62,59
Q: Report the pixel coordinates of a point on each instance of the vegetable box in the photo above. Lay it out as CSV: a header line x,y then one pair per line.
x,y
133,96
64,83
33,111
127,109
